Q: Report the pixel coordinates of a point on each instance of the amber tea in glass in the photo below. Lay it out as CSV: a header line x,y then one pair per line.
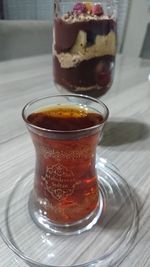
x,y
65,131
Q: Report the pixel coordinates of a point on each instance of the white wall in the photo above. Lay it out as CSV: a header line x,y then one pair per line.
x,y
139,16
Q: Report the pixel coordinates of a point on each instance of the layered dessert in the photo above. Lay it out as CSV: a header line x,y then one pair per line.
x,y
84,49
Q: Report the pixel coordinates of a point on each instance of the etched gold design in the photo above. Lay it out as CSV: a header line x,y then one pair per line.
x,y
59,181
74,154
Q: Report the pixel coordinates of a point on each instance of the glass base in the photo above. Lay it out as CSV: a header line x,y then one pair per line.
x,y
64,229
107,242
96,92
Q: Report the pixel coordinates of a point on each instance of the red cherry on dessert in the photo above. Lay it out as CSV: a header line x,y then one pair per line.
x,y
103,75
97,10
79,8
104,79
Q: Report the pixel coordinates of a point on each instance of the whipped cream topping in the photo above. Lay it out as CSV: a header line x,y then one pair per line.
x,y
74,18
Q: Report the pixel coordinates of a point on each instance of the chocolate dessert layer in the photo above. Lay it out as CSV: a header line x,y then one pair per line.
x,y
103,45
94,74
66,33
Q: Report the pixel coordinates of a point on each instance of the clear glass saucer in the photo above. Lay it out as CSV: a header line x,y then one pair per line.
x,y
107,243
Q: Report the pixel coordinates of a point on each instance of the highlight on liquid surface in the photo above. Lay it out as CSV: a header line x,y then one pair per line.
x,y
65,118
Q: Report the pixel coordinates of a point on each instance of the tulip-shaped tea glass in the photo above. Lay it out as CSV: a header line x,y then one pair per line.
x,y
84,45
65,130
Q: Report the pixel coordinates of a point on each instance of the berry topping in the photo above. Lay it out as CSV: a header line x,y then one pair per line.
x,y
97,10
80,8
89,6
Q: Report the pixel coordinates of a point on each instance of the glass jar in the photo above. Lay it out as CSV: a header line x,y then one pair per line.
x,y
84,46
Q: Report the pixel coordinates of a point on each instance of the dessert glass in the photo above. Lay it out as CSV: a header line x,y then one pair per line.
x,y
84,46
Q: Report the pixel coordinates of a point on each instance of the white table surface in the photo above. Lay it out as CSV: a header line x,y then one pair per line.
x,y
126,141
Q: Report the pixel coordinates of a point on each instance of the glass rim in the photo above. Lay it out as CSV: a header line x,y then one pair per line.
x,y
30,103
